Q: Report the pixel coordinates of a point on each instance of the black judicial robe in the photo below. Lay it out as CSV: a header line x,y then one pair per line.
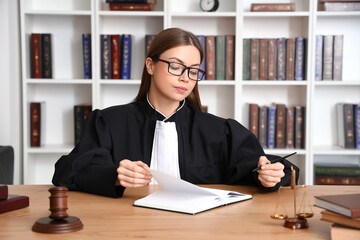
x,y
212,150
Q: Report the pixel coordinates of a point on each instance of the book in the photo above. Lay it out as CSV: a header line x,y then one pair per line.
x,y
131,1
344,204
246,58
4,191
35,55
338,169
280,126
345,125
181,196
281,59
290,127
130,6
229,57
299,58
81,112
210,57
86,44
105,56
254,58
340,219
328,57
290,59
254,119
115,56
338,57
149,38
272,7
357,125
339,6
13,202
339,232
271,59
299,130
263,125
271,127
263,45
336,180
203,45
126,51
37,123
46,56
318,57
219,57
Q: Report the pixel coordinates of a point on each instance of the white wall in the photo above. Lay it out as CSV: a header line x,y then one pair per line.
x,y
10,83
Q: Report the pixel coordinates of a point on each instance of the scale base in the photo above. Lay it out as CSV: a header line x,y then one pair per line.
x,y
296,223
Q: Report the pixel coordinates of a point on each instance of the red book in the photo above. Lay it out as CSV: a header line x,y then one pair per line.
x,y
130,7
115,56
36,69
3,192
13,202
210,57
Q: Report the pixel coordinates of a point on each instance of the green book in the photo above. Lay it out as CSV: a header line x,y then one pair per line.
x,y
246,58
220,57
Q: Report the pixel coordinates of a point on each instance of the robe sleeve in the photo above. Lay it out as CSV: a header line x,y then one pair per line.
x,y
241,152
90,167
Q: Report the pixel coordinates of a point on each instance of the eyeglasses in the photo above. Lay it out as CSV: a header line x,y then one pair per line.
x,y
178,69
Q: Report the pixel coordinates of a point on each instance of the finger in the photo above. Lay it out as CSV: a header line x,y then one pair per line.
x,y
132,182
273,166
267,181
272,173
131,174
138,167
263,160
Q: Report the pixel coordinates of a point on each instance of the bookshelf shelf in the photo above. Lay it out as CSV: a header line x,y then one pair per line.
x,y
68,20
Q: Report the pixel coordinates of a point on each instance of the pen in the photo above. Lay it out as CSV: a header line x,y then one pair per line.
x,y
275,160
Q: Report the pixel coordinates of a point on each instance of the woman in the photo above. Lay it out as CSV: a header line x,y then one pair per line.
x,y
165,129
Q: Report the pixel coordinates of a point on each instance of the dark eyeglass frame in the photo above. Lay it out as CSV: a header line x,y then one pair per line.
x,y
185,68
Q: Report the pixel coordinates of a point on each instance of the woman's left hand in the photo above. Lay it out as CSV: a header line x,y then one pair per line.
x,y
270,174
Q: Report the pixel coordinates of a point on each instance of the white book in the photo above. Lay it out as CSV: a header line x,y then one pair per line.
x,y
181,196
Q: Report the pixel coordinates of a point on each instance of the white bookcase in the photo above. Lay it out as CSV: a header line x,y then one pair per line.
x,y
66,20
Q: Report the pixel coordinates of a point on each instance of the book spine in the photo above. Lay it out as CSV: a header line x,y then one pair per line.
x,y
341,6
299,127
131,1
115,56
290,127
105,41
220,57
349,126
246,58
336,180
229,57
271,127
273,7
4,191
203,45
78,122
357,125
271,59
130,7
290,59
280,126
254,119
126,56
254,72
36,62
46,55
318,57
263,126
328,57
340,124
281,59
210,57
35,118
262,59
86,43
343,171
299,59
338,57
148,40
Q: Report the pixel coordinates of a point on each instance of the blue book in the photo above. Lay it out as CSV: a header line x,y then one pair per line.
x,y
299,58
202,42
105,56
357,125
281,59
271,122
86,41
126,45
318,57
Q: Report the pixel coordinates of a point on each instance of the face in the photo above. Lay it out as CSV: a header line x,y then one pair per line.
x,y
166,87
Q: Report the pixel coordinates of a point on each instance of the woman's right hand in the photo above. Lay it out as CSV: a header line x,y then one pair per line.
x,y
133,174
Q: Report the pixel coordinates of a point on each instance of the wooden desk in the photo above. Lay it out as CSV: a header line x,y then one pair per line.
x,y
108,218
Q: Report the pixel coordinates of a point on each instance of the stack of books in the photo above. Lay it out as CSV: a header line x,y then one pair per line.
x,y
131,5
344,212
339,5
337,174
11,202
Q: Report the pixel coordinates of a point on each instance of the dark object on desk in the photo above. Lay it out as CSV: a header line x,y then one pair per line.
x,y
7,165
345,204
275,160
13,202
3,192
58,221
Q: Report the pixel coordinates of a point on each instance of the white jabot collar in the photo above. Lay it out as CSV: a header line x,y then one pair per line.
x,y
165,118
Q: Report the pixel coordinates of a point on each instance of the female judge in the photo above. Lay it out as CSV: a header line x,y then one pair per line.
x,y
165,129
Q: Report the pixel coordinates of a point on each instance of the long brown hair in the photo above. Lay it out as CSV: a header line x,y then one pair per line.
x,y
167,39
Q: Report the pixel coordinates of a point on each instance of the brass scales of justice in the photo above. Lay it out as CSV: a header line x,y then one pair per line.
x,y
299,220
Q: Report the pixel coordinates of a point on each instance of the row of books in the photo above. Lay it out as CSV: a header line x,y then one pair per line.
x,y
115,56
40,55
343,211
348,125
339,5
339,174
131,5
274,59
278,125
329,57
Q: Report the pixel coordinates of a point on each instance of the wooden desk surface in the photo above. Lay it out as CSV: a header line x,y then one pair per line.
x,y
108,218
